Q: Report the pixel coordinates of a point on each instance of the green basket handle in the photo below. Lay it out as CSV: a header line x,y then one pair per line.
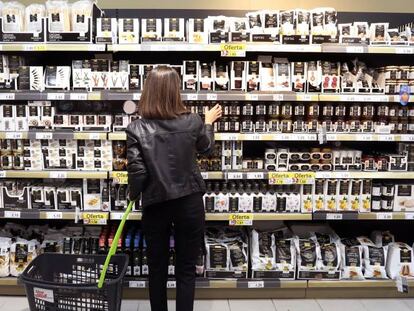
x,y
114,245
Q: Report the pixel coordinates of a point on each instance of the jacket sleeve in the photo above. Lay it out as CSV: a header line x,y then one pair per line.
x,y
205,138
137,172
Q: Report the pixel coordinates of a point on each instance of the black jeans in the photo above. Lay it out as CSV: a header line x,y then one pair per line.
x,y
186,216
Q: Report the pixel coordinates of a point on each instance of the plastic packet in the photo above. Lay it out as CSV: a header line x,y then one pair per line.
x,y
13,17
80,13
33,17
58,14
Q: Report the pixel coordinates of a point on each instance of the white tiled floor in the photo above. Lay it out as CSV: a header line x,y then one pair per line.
x,y
20,304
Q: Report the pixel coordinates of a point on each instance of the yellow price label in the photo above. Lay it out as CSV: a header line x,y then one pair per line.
x,y
120,177
291,178
40,47
242,219
97,218
233,49
94,96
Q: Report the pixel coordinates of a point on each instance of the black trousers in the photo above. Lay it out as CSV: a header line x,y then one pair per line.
x,y
186,216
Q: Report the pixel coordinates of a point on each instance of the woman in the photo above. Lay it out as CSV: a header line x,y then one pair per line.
x,y
162,150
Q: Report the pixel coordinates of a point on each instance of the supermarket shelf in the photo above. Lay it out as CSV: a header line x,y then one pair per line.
x,y
55,174
45,47
54,135
355,284
80,95
267,137
370,137
349,215
192,47
261,216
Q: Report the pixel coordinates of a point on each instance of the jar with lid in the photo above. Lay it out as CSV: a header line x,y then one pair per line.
x,y
368,112
299,125
312,124
411,85
299,110
287,110
234,109
391,87
247,124
382,114
340,110
222,125
403,124
260,109
340,125
274,110
327,110
260,124
355,111
273,124
392,73
313,110
393,122
327,124
248,109
286,126
234,124
405,72
401,84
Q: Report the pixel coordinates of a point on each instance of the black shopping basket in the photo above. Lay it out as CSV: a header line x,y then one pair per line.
x,y
57,282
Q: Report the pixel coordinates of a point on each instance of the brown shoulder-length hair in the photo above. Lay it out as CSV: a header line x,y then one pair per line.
x,y
161,98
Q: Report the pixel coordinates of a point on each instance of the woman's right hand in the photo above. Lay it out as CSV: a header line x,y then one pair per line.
x,y
213,114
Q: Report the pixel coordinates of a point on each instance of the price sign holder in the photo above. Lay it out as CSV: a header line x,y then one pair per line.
x,y
291,178
241,219
95,218
233,49
120,177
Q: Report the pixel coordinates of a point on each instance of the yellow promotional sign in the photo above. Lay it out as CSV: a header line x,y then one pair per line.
x,y
120,177
291,178
242,219
95,218
233,49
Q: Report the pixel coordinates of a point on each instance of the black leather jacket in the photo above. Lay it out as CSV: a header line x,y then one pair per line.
x,y
162,162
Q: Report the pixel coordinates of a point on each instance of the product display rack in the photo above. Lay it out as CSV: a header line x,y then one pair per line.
x,y
220,288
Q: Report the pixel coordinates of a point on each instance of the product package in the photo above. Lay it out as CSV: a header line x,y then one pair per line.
x,y
287,20
221,77
151,29
314,77
400,260
58,13
267,77
382,238
404,198
239,29
13,17
22,252
308,256
34,15
299,78
106,30
378,33
238,76
206,76
253,76
5,244
283,76
128,30
375,258
197,30
271,26
174,29
57,77
352,264
190,75
302,22
218,29
81,13
96,195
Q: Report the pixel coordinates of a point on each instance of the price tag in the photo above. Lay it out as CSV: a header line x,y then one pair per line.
x,y
409,216
78,96
234,175
343,175
368,99
383,98
305,97
242,219
230,136
2,174
44,135
7,96
252,97
291,178
94,96
192,97
171,284
94,136
54,215
120,177
58,175
386,138
324,175
406,50
34,47
367,137
55,96
255,284
277,97
410,137
14,135
12,214
347,98
204,175
233,49
384,216
354,49
285,137
137,284
334,216
136,96
255,137
95,218
255,175
331,137
402,284
211,96
117,216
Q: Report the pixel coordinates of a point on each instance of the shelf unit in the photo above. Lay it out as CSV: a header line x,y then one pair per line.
x,y
224,288
268,288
